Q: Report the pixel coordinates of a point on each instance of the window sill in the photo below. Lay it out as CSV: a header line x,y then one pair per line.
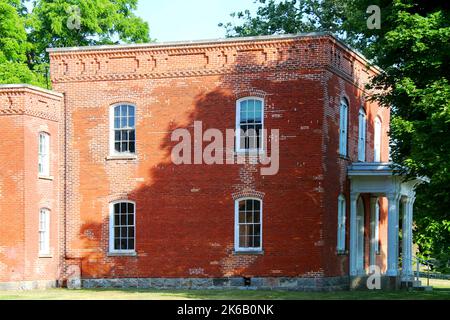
x,y
344,157
45,256
122,157
48,178
122,254
243,252
250,153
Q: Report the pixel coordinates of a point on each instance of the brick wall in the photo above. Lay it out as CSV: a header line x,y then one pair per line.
x,y
185,214
26,111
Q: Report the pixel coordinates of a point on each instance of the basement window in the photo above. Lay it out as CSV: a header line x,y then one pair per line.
x,y
248,225
122,227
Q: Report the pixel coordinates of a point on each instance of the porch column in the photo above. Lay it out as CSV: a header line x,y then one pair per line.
x,y
392,252
353,233
407,272
373,204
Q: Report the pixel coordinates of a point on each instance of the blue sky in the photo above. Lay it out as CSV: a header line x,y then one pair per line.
x,y
174,20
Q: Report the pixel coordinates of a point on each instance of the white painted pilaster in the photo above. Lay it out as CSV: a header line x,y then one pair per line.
x,y
407,272
373,203
353,233
393,220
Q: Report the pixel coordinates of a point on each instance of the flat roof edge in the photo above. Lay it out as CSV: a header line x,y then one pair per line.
x,y
31,87
187,43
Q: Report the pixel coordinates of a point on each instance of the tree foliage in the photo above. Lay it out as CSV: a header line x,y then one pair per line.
x,y
28,28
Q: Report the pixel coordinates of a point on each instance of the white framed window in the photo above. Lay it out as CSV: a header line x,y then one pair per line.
x,y
341,224
248,224
122,236
377,228
44,232
377,140
122,129
362,136
343,127
44,154
249,124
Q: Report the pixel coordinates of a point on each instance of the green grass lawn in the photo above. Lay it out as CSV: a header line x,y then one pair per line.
x,y
441,291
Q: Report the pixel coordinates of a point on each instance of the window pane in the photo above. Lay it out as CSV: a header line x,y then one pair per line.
x,y
131,111
123,244
132,135
117,208
131,232
116,111
123,220
132,147
130,244
116,123
116,232
116,244
249,217
123,207
124,110
249,205
257,242
117,135
130,219
124,135
123,122
117,146
130,207
123,232
242,217
116,220
131,122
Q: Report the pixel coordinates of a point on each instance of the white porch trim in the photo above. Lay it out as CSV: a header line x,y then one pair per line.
x,y
379,179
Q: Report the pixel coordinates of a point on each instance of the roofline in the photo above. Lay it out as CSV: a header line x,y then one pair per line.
x,y
215,42
30,87
189,43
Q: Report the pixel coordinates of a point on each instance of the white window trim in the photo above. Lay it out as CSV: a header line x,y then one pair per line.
x,y
377,140
46,231
341,222
238,127
113,154
111,229
362,135
236,226
44,160
343,126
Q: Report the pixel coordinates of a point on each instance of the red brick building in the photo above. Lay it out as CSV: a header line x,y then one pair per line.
x,y
89,189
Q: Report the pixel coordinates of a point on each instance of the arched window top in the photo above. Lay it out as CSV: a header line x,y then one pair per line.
x,y
344,101
362,111
378,120
124,116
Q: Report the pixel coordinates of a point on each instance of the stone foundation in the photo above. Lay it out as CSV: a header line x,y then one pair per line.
x,y
281,283
28,285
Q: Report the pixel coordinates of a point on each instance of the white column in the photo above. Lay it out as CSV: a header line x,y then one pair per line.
x,y
407,272
353,233
373,203
392,252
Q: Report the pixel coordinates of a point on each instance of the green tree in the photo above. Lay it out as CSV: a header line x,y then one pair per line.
x,y
65,23
294,16
28,28
14,46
